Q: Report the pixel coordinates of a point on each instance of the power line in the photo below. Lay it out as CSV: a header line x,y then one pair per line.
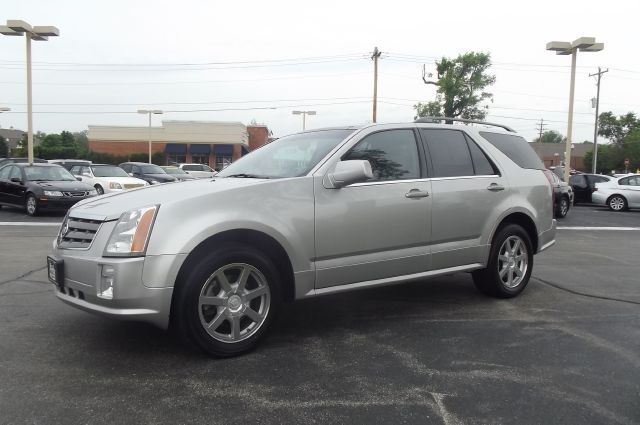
x,y
541,127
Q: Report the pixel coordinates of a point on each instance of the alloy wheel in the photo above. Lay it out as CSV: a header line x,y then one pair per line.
x,y
513,261
616,203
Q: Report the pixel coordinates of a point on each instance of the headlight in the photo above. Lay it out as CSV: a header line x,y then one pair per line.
x,y
93,192
115,185
52,193
154,182
131,234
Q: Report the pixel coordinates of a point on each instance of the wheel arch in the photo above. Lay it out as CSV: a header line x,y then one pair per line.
x,y
253,238
617,194
524,221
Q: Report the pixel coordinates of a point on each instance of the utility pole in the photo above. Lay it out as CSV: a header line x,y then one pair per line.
x,y
541,127
595,129
375,56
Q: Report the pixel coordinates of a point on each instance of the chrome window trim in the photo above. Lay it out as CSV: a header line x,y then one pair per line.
x,y
426,179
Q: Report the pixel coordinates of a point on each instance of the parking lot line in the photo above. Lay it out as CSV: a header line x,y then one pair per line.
x,y
595,228
26,223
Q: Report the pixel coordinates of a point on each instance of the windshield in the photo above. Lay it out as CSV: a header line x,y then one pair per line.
x,y
172,170
151,169
289,156
56,173
109,171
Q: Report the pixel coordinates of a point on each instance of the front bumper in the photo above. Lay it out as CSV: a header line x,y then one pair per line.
x,y
56,203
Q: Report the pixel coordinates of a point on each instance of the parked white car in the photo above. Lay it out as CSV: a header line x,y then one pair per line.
x,y
200,171
107,178
619,193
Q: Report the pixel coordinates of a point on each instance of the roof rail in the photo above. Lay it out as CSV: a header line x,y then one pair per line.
x,y
434,119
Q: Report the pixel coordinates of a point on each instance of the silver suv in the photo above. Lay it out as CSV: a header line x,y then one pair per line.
x,y
313,213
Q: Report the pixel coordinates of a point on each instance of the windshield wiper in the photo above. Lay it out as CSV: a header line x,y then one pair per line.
x,y
247,176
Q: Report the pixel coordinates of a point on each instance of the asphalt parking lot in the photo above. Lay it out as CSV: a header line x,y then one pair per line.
x,y
566,351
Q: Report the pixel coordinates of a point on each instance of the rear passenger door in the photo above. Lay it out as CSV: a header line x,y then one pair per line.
x,y
469,195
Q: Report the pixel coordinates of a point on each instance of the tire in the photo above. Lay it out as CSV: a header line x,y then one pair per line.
x,y
229,318
617,203
563,207
31,205
99,189
506,274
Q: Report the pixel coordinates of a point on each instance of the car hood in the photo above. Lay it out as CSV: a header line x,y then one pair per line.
x,y
111,206
73,185
160,177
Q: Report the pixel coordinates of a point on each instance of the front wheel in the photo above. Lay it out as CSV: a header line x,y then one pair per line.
x,y
510,263
228,300
99,189
31,205
617,203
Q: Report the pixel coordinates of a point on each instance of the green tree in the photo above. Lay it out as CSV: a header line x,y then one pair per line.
x,y
82,143
461,87
57,146
617,128
4,148
550,136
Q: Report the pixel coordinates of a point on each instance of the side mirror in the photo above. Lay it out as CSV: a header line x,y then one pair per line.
x,y
79,178
16,180
349,172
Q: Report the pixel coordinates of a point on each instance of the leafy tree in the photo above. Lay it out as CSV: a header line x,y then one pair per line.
x,y
82,143
461,87
616,129
551,136
57,146
612,156
4,148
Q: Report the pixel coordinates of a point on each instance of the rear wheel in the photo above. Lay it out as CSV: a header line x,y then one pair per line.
x,y
228,300
31,205
563,207
510,263
617,203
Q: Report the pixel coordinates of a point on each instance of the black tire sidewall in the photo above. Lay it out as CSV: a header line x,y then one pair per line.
x,y
189,292
560,214
99,189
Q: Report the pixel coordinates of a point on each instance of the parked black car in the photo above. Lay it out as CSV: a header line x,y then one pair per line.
x,y
148,172
40,186
584,185
563,197
5,161
68,164
178,173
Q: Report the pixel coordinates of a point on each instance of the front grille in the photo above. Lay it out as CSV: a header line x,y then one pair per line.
x,y
133,185
77,233
75,194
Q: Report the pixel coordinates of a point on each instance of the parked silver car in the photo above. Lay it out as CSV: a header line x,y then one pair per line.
x,y
314,213
618,193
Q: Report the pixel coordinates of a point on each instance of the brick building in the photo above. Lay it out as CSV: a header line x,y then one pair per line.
x,y
213,143
552,154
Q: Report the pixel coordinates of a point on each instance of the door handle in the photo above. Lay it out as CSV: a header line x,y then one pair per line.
x,y
495,187
415,194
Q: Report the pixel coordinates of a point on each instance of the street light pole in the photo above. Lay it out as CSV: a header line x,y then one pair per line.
x,y
304,116
5,109
584,44
38,33
149,112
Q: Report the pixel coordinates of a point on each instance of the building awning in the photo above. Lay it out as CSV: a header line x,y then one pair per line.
x,y
200,148
244,150
175,148
223,150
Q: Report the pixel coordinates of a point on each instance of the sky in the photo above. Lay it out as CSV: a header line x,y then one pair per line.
x,y
261,60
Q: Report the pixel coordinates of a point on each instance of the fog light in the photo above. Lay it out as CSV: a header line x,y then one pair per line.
x,y
106,282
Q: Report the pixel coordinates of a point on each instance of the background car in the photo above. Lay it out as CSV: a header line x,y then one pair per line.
x,y
150,173
68,164
178,173
563,197
5,161
41,186
200,171
619,193
584,185
107,178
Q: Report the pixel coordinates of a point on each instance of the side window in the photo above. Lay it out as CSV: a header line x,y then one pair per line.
x,y
136,169
75,170
449,153
481,164
126,167
15,172
4,173
624,182
634,181
393,154
577,181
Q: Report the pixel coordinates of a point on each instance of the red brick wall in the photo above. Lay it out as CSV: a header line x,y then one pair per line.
x,y
124,148
258,136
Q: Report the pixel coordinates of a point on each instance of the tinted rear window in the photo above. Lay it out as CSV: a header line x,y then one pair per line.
x,y
516,148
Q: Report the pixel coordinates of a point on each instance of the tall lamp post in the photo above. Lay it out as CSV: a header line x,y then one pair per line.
x,y
39,33
584,44
304,117
150,112
5,109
